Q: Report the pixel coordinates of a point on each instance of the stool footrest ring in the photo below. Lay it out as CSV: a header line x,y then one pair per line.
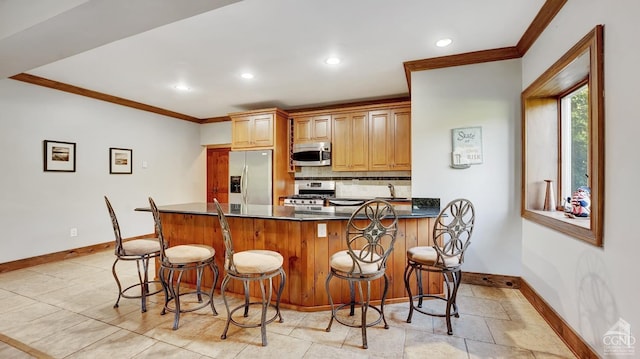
x,y
254,325
358,324
137,285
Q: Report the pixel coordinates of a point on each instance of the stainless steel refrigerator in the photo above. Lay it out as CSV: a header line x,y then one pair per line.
x,y
250,177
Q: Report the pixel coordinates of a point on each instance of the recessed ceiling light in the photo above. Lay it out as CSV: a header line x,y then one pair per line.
x,y
247,75
443,42
182,87
332,60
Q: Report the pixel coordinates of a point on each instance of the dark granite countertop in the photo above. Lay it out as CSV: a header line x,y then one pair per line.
x,y
278,212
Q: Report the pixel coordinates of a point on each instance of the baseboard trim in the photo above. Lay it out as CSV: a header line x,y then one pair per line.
x,y
57,256
572,339
491,280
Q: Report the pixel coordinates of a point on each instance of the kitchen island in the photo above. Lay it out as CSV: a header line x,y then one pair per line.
x,y
306,238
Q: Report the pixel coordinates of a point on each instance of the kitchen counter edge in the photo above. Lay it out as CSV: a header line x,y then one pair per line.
x,y
274,212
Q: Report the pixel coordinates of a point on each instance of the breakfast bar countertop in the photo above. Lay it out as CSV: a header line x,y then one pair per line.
x,y
296,233
279,212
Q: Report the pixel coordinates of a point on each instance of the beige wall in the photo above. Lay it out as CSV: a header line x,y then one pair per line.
x,y
485,95
38,209
593,288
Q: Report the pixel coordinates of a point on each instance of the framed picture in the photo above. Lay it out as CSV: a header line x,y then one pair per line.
x,y
467,146
120,161
59,156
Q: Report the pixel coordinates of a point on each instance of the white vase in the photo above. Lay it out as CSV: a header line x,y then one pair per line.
x,y
549,197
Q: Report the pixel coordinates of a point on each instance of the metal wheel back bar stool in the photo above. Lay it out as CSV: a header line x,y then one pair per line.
x,y
250,266
370,236
451,237
139,250
174,262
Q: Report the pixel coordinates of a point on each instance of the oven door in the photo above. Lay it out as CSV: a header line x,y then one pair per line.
x,y
346,202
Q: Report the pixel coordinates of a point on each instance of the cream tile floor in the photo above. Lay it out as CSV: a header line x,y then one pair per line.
x,y
65,310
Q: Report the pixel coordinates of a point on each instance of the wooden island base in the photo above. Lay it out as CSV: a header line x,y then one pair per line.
x,y
306,256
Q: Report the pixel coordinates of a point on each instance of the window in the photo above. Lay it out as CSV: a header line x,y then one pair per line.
x,y
563,139
574,144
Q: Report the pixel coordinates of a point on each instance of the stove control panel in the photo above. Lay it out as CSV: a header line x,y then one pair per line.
x,y
304,202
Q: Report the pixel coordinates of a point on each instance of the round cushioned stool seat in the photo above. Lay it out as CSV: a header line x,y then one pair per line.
x,y
343,262
256,261
429,256
138,247
191,253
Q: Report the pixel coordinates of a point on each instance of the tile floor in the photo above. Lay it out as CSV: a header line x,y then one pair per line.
x,y
65,310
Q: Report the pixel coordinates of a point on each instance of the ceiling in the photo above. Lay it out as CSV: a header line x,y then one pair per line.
x,y
141,50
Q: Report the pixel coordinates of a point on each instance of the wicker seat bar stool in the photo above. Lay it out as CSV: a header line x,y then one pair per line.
x,y
451,237
370,236
139,250
251,266
174,262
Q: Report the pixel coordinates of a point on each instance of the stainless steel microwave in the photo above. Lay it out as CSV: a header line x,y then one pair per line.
x,y
312,154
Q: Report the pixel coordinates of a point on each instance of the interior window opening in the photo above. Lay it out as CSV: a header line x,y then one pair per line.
x,y
574,118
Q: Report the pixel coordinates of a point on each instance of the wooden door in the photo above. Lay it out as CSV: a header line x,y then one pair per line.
x,y
218,174
321,128
262,135
401,125
380,141
359,141
349,149
241,132
302,132
340,145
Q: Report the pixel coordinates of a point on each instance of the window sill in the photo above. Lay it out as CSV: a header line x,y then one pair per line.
x,y
584,222
577,227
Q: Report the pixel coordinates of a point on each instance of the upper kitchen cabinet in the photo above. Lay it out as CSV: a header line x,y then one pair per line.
x,y
374,137
390,139
266,129
350,146
256,129
312,129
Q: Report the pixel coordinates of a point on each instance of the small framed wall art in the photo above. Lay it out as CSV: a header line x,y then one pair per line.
x,y
467,147
120,161
59,156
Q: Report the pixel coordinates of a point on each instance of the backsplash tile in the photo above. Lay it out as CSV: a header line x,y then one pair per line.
x,y
369,189
360,184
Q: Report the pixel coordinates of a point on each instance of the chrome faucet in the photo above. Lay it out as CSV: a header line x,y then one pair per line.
x,y
392,190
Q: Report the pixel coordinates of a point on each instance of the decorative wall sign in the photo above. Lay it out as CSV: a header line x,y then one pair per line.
x,y
120,161
59,156
467,147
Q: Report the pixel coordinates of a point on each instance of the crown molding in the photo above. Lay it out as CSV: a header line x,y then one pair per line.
x,y
547,12
41,81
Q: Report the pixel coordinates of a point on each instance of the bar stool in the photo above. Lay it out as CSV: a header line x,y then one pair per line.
x,y
139,250
451,237
179,259
371,234
250,266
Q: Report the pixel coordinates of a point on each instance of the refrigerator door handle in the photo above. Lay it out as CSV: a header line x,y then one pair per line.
x,y
243,183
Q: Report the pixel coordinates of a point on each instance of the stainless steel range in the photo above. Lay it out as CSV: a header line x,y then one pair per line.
x,y
311,193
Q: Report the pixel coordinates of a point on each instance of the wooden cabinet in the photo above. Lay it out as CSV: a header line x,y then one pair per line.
x,y
262,130
390,140
373,137
252,131
350,146
312,129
